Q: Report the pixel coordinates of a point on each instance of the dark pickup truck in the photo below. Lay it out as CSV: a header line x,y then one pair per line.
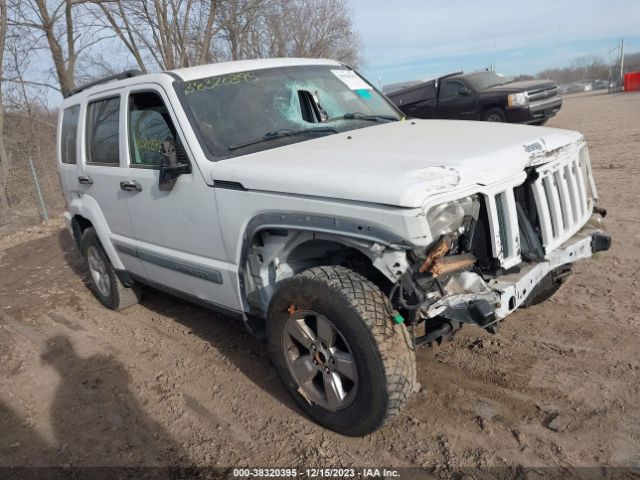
x,y
483,95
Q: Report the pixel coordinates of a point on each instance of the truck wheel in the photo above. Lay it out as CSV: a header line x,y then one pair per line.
x,y
494,115
107,287
342,358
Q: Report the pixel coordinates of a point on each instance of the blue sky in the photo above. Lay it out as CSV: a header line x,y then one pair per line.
x,y
413,39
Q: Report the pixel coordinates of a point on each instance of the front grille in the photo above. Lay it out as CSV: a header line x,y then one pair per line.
x,y
542,94
564,198
557,200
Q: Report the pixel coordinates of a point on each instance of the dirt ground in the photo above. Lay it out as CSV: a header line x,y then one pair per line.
x,y
166,382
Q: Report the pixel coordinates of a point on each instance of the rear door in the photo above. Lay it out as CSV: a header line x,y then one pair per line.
x,y
453,103
103,168
68,150
178,237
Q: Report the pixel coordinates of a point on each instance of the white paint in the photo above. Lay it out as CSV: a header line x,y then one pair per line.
x,y
398,163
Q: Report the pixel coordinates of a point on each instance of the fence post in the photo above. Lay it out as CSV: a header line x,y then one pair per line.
x,y
43,207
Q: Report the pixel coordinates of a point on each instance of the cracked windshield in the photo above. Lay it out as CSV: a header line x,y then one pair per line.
x,y
246,112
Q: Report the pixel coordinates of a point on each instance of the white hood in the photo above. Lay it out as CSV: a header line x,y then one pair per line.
x,y
398,163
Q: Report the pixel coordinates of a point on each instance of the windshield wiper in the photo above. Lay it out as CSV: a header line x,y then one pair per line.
x,y
282,133
361,116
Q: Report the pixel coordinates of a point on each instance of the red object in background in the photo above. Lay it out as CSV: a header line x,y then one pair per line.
x,y
632,82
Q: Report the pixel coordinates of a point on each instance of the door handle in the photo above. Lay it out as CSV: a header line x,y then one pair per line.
x,y
85,180
131,186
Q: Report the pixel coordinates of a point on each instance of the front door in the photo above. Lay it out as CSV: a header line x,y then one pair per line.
x,y
177,231
455,104
101,171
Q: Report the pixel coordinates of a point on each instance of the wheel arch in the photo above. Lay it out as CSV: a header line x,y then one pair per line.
x,y
278,246
78,225
86,213
491,106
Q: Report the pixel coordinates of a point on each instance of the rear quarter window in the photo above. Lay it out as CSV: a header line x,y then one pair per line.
x,y
69,134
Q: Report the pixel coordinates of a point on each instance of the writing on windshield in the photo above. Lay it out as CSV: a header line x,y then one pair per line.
x,y
244,108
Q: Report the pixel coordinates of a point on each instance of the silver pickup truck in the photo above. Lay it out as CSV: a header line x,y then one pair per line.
x,y
291,194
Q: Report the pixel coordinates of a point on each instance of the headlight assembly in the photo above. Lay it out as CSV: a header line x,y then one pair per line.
x,y
449,217
518,99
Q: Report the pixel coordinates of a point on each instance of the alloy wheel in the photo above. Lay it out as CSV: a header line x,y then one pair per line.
x,y
99,272
320,360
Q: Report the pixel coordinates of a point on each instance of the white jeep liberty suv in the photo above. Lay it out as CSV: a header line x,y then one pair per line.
x,y
291,194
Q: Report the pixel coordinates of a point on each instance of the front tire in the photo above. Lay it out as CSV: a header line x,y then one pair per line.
x,y
105,284
495,115
340,355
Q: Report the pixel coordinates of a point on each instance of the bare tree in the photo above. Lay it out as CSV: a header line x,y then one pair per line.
x,y
167,34
322,29
170,34
289,28
4,157
240,27
63,28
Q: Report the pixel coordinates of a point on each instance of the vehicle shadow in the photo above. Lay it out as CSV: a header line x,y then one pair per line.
x,y
95,417
226,334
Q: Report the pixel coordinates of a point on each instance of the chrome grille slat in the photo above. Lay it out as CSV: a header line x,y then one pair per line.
x,y
554,205
503,223
576,205
581,184
565,202
543,212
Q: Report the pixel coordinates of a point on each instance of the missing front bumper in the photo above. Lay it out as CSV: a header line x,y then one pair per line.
x,y
505,293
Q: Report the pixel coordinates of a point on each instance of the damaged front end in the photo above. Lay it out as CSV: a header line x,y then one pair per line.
x,y
443,289
505,247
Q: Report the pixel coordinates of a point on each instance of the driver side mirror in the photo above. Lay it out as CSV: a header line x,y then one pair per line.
x,y
464,92
169,174
172,167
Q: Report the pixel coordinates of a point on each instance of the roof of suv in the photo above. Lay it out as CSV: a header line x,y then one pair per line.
x,y
202,71
192,73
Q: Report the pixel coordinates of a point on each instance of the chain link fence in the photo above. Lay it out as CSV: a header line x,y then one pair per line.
x,y
32,193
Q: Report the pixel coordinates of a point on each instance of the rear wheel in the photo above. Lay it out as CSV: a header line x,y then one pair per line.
x,y
107,287
495,115
342,358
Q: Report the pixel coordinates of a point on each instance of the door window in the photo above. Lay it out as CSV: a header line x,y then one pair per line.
x,y
69,134
103,138
452,88
152,136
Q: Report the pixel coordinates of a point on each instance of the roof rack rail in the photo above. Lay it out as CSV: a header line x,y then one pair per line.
x,y
110,78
